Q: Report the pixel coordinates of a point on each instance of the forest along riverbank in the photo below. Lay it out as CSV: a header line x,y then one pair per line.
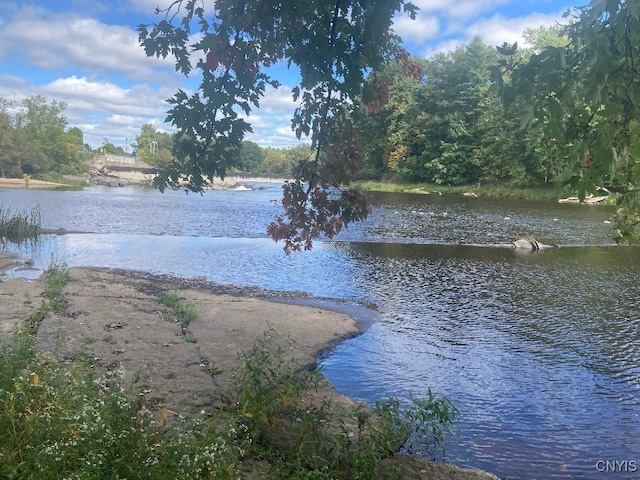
x,y
113,316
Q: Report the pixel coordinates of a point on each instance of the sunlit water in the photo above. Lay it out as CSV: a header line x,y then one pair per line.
x,y
539,352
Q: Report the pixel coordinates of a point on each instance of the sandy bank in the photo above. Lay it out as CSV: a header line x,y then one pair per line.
x,y
35,184
114,317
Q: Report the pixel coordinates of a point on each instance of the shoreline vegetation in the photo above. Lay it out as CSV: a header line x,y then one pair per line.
x,y
19,226
237,180
552,193
108,373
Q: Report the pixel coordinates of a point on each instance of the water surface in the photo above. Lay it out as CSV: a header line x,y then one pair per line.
x,y
539,352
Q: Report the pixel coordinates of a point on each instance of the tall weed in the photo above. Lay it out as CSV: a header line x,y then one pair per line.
x,y
18,227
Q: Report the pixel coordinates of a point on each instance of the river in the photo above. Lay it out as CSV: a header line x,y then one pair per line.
x,y
539,352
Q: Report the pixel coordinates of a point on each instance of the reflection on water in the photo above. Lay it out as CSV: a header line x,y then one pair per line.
x,y
241,261
540,352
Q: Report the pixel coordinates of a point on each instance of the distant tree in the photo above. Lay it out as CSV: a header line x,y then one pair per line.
x,y
18,154
76,138
283,161
75,148
276,162
6,133
389,130
110,149
450,103
27,157
162,157
298,155
45,125
430,128
251,156
335,44
154,146
537,39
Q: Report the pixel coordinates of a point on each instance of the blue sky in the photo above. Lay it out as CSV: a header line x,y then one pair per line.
x,y
86,53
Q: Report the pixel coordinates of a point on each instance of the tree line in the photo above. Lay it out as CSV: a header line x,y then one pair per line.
x,y
36,140
444,124
448,125
156,148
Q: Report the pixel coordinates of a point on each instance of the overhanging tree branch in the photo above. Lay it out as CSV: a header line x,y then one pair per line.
x,y
245,38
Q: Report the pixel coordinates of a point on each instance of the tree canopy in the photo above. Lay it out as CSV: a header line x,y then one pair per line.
x,y
153,146
334,44
35,139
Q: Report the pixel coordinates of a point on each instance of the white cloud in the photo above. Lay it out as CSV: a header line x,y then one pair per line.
x,y
63,42
498,29
423,28
271,122
494,29
102,96
103,109
458,8
443,47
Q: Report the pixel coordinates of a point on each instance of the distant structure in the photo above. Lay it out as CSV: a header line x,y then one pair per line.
x,y
121,163
108,160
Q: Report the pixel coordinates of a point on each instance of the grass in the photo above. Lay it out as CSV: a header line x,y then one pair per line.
x,y
303,437
170,300
553,193
62,420
56,276
181,313
211,368
19,226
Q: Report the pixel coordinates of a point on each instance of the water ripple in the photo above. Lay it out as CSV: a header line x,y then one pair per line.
x,y
540,353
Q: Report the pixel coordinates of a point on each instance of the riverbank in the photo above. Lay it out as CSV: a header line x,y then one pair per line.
x,y
551,193
114,317
120,178
37,184
134,178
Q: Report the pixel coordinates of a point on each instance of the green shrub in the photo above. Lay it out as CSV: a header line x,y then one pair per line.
x,y
170,300
181,313
56,277
306,439
57,422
